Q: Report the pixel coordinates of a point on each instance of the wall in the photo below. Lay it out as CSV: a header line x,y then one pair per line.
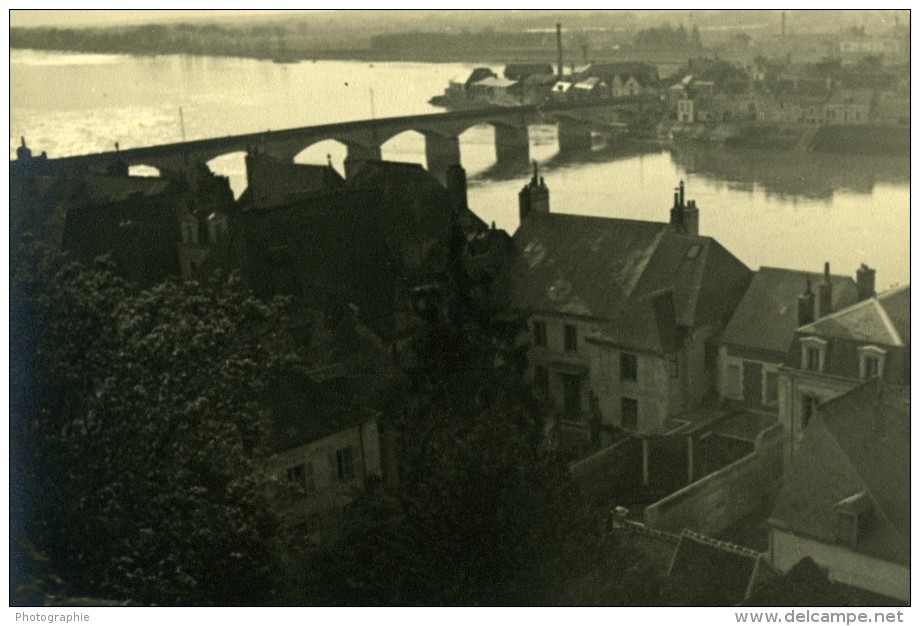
x,y
715,502
793,384
730,357
555,351
613,473
843,565
321,455
651,388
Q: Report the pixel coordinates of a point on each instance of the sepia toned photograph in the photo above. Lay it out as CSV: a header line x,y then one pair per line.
x,y
460,308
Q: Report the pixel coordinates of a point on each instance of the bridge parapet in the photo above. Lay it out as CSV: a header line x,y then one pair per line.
x,y
364,138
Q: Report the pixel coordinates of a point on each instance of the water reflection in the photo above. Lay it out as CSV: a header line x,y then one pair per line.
x,y
791,174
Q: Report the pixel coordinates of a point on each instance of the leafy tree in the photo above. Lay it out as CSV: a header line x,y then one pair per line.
x,y
136,417
484,513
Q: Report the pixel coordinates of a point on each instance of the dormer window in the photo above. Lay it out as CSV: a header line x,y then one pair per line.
x,y
852,515
871,362
814,351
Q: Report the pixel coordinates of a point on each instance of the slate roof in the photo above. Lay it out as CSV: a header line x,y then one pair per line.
x,y
767,316
709,573
273,181
859,443
707,279
303,411
884,319
618,270
497,82
648,323
102,188
580,265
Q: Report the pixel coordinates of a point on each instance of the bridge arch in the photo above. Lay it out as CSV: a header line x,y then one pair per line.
x,y
408,146
144,170
233,166
323,151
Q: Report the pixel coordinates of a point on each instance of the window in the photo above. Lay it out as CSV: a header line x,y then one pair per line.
x,y
571,387
539,333
770,388
733,381
629,367
813,354
673,365
871,361
301,475
541,381
871,367
809,404
344,460
812,359
629,413
571,338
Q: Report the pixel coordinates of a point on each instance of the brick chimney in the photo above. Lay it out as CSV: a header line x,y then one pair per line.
x,y
825,292
534,196
865,282
685,216
807,305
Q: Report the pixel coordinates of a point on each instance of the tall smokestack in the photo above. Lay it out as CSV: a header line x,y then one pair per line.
x,y
559,49
783,28
825,292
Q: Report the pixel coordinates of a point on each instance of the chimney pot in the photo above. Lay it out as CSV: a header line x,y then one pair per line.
x,y
865,282
825,293
807,305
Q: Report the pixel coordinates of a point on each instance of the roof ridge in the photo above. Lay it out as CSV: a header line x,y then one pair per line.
x,y
801,271
849,309
887,322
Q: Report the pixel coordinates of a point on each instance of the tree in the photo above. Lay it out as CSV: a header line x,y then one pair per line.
x,y
141,433
484,513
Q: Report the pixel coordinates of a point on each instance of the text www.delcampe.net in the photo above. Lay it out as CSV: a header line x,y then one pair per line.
x,y
826,617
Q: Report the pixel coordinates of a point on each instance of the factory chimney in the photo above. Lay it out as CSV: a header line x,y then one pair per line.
x,y
559,49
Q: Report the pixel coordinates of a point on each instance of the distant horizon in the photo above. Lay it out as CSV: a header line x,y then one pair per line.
x,y
66,18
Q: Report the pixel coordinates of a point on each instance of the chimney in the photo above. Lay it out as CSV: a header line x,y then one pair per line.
x,y
691,218
534,196
807,305
456,186
865,282
559,49
825,292
677,215
685,216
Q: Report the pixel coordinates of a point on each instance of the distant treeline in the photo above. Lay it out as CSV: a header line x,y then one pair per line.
x,y
256,41
295,41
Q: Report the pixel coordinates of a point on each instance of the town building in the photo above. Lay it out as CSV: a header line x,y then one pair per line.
x,y
756,340
622,312
366,243
324,450
835,353
846,500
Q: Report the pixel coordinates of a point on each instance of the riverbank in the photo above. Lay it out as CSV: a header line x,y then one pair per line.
x,y
855,139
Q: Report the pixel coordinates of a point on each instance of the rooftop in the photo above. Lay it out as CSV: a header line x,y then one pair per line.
x,y
884,319
859,443
303,411
767,316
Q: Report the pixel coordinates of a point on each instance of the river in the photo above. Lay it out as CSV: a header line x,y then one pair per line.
x,y
782,209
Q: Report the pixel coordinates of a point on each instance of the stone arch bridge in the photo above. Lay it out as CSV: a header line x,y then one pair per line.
x,y
364,138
